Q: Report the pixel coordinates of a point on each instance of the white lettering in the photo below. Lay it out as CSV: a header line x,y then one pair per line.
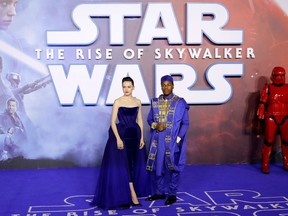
x,y
159,22
134,71
88,31
156,14
220,91
78,79
212,28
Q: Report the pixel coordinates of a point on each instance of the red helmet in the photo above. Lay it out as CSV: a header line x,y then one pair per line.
x,y
278,75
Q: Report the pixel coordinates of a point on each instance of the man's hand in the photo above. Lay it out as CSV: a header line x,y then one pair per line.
x,y
160,127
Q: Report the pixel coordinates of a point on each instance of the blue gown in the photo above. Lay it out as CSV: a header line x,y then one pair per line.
x,y
119,167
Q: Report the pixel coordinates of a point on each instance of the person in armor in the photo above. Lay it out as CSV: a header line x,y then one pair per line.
x,y
273,108
19,92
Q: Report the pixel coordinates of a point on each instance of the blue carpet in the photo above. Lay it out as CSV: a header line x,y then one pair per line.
x,y
205,190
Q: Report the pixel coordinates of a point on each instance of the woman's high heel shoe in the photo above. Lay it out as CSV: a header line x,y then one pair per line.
x,y
136,204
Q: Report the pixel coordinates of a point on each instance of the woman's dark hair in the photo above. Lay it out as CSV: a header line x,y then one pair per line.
x,y
128,79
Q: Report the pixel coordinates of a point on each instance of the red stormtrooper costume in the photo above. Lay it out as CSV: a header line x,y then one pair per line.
x,y
273,108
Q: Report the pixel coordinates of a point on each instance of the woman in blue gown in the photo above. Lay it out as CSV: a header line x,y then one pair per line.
x,y
123,176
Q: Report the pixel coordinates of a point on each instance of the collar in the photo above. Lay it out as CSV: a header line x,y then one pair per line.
x,y
169,97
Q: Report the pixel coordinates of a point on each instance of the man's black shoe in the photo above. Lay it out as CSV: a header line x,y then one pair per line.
x,y
155,197
170,200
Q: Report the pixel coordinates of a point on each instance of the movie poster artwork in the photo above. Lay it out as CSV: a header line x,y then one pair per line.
x,y
62,62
